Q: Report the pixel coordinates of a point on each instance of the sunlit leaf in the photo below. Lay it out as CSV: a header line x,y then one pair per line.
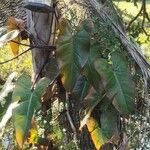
x,y
15,46
29,102
33,133
117,81
72,52
15,24
96,134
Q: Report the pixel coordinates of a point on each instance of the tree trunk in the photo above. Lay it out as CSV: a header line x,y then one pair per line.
x,y
38,25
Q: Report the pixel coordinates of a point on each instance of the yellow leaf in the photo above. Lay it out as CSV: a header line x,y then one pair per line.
x,y
97,137
15,46
33,133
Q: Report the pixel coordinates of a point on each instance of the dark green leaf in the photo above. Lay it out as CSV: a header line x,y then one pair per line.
x,y
89,70
109,121
72,53
117,81
81,88
51,70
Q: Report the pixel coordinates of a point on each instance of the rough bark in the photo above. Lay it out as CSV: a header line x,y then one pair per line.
x,y
11,8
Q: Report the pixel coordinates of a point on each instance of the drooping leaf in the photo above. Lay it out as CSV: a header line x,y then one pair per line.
x,y
117,81
29,102
90,102
72,52
96,134
106,131
14,23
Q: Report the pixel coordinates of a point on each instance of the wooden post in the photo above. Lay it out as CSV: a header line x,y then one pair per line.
x,y
39,26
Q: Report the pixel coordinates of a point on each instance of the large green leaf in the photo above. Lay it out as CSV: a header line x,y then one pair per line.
x,y
117,81
72,52
29,102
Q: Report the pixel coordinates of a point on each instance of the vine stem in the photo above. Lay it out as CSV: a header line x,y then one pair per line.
x,y
71,121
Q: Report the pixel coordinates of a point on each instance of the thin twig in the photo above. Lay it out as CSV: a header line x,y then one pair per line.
x,y
51,47
1,63
139,13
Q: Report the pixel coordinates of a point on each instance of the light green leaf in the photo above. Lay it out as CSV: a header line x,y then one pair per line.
x,y
117,81
22,88
29,103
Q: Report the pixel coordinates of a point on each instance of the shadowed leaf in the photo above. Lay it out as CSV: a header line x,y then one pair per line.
x,y
117,80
